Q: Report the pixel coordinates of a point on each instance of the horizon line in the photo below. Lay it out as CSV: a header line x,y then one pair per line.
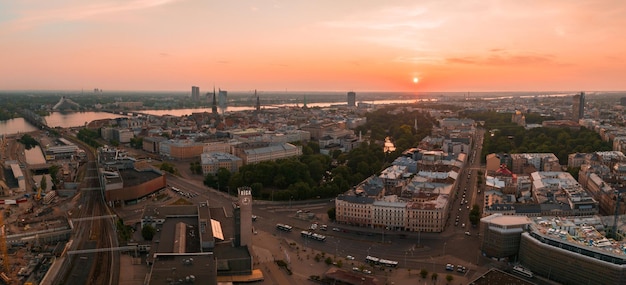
x,y
90,91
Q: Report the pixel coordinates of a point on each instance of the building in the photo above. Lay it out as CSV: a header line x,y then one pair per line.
x,y
257,152
539,162
389,214
354,210
351,99
152,144
502,234
181,149
195,93
578,106
196,243
121,135
124,180
560,188
222,99
572,251
497,276
243,217
211,162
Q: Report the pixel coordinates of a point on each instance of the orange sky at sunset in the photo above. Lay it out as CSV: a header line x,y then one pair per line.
x,y
474,45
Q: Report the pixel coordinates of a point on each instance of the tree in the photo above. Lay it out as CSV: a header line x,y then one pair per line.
x,y
148,232
136,142
54,170
474,215
424,273
328,260
43,183
332,214
434,276
28,141
223,176
210,180
195,167
449,278
168,167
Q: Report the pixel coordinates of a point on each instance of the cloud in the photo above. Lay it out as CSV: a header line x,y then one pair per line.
x,y
73,11
499,57
420,59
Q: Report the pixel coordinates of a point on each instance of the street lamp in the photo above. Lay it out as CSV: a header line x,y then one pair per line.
x,y
291,197
444,248
405,259
368,251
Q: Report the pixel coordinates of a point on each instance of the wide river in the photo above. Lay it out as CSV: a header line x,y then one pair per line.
x,y
77,119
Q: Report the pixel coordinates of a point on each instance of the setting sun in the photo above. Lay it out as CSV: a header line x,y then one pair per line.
x,y
415,79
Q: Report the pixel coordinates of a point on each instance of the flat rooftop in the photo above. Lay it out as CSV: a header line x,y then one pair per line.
x,y
581,233
496,276
180,269
133,177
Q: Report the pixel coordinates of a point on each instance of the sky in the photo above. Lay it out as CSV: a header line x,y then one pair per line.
x,y
315,45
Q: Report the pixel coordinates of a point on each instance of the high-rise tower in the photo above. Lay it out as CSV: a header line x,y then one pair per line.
x,y
243,217
258,101
195,93
222,100
578,106
351,99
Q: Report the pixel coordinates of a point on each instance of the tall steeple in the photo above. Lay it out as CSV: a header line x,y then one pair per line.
x,y
214,107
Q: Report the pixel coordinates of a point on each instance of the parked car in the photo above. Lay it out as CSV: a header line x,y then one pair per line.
x,y
350,257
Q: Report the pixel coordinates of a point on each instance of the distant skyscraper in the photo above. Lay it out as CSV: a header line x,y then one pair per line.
x,y
351,99
214,106
195,93
258,101
222,100
578,106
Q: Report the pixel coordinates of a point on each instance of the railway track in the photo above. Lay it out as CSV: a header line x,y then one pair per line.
x,y
96,267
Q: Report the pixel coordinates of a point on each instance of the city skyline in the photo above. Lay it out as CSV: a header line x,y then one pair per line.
x,y
396,46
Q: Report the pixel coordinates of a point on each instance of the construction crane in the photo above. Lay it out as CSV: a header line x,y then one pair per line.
x,y
38,196
3,245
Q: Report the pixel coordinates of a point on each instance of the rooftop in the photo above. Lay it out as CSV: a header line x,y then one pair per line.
x,y
582,233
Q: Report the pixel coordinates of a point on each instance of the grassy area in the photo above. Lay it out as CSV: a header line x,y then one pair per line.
x,y
181,201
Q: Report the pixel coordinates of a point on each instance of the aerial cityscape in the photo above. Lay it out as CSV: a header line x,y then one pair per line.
x,y
287,142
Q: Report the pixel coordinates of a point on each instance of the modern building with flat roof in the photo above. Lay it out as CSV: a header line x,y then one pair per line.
x,y
572,251
502,234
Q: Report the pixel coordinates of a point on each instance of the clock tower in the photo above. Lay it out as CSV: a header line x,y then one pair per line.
x,y
244,229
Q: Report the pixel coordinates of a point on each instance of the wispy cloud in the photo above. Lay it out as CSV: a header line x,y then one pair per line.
x,y
499,57
420,59
72,11
390,26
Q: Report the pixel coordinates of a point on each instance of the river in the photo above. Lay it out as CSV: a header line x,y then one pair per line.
x,y
77,119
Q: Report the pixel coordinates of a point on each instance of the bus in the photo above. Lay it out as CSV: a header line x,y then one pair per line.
x,y
312,235
522,271
283,227
379,261
372,260
388,263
